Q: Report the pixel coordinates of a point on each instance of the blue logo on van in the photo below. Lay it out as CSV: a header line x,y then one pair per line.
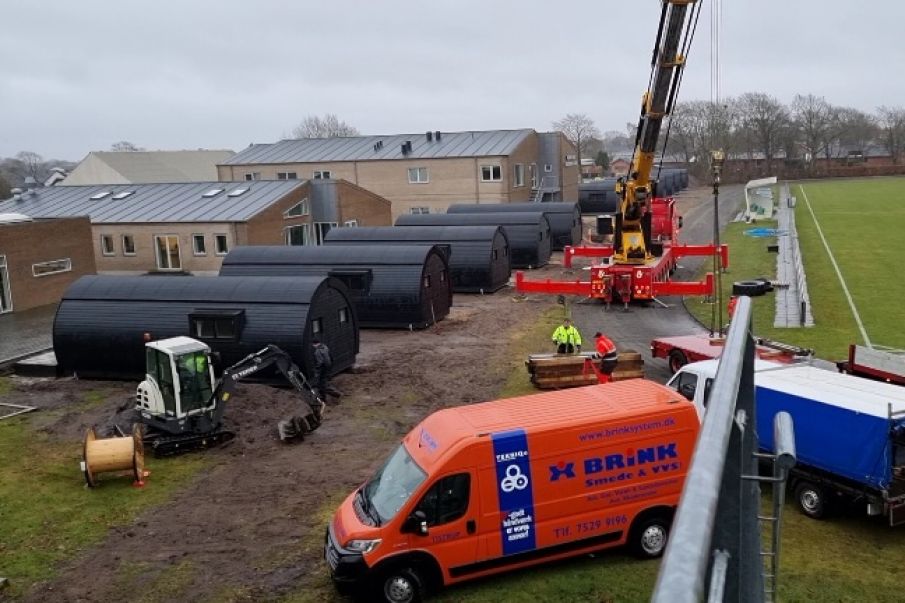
x,y
562,469
514,490
611,462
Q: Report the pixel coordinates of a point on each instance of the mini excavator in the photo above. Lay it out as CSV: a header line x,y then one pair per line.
x,y
181,403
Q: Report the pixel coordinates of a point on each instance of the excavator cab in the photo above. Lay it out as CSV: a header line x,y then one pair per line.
x,y
179,380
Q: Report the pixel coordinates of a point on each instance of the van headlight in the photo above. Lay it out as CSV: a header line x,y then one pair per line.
x,y
362,546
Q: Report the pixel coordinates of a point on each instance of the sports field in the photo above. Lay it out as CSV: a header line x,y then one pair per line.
x,y
863,224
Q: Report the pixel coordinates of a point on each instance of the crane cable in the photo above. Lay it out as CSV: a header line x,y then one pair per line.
x,y
716,25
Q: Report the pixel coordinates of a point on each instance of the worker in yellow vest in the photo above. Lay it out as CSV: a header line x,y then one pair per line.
x,y
567,338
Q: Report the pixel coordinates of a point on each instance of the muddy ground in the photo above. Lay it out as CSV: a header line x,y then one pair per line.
x,y
250,525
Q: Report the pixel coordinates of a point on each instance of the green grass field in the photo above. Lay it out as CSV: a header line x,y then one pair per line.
x,y
863,221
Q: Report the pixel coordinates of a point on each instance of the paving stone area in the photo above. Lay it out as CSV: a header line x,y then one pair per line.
x,y
26,332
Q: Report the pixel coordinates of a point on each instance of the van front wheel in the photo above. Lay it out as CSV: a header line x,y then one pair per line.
x,y
648,537
402,585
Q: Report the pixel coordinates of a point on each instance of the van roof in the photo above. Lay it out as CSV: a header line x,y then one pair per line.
x,y
622,400
829,387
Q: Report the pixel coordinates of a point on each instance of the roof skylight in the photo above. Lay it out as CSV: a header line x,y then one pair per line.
x,y
99,195
212,193
236,192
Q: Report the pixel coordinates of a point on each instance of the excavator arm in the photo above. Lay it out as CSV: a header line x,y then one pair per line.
x,y
313,406
632,232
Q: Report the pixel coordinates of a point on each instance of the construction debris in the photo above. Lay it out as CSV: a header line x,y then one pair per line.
x,y
557,371
19,409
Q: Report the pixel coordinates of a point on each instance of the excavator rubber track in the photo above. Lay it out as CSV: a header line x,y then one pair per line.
x,y
171,445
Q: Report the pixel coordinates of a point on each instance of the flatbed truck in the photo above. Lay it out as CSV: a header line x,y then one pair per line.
x,y
682,349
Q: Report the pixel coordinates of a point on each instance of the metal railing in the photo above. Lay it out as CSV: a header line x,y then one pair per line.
x,y
804,300
717,525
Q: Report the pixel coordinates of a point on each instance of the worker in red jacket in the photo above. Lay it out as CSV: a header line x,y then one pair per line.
x,y
606,349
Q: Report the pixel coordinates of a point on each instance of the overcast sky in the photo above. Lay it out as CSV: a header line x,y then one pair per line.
x,y
77,76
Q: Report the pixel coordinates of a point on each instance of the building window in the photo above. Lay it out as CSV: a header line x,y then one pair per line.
x,y
297,235
253,176
418,175
217,324
496,254
443,276
548,167
287,176
320,231
355,280
107,245
316,326
6,299
532,174
51,267
419,210
128,245
322,174
299,209
167,247
220,244
518,174
350,223
491,173
199,247
343,315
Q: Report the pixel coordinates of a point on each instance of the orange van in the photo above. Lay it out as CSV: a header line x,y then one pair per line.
x,y
480,489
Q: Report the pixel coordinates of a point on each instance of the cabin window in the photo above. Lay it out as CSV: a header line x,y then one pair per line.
x,y
532,174
222,246
297,235
351,223
199,247
355,280
217,324
548,167
168,257
299,209
128,245
443,276
496,254
427,281
491,173
447,500
419,210
343,315
253,176
51,267
317,326
322,175
107,245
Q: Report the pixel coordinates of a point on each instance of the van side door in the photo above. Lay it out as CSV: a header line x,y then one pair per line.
x,y
451,509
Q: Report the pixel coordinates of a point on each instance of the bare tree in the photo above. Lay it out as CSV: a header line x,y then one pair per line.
x,y
813,121
125,145
892,128
857,130
579,129
32,165
328,126
764,118
5,188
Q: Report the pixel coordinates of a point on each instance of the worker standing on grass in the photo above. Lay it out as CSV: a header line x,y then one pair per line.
x,y
323,366
566,338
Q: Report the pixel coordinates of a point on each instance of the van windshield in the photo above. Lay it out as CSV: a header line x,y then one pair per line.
x,y
393,485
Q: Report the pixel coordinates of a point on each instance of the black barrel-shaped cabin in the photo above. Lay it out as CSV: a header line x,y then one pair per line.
x,y
478,255
100,325
391,286
564,218
598,197
528,232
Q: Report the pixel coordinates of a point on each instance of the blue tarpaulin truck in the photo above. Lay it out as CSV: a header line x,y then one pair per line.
x,y
849,432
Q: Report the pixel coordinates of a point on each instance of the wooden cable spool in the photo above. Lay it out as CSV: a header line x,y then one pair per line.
x,y
113,454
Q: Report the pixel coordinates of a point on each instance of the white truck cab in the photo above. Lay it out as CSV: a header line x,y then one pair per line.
x,y
694,380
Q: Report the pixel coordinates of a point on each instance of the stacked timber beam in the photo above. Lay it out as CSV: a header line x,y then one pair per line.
x,y
558,371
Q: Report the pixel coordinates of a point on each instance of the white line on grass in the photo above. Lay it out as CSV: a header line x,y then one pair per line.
x,y
829,252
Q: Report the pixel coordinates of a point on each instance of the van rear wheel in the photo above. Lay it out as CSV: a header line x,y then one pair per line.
x,y
811,500
648,537
402,585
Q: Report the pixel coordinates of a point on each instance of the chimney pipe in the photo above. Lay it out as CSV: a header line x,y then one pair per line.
x,y
429,135
437,135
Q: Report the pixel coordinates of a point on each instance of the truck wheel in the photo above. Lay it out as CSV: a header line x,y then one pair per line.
x,y
402,585
677,360
749,288
811,500
648,537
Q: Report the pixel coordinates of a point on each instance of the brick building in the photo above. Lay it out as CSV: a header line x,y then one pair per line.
x,y
189,227
39,259
127,167
424,173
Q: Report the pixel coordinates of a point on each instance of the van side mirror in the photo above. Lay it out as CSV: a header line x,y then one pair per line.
x,y
416,523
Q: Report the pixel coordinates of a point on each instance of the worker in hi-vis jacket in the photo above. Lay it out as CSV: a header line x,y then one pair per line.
x,y
567,338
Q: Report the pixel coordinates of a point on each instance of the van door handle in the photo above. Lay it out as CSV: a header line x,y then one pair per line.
x,y
470,526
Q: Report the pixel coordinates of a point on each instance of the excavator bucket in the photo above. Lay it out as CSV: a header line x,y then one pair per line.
x,y
295,428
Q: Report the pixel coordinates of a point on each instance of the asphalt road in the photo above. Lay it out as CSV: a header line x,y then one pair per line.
x,y
636,328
